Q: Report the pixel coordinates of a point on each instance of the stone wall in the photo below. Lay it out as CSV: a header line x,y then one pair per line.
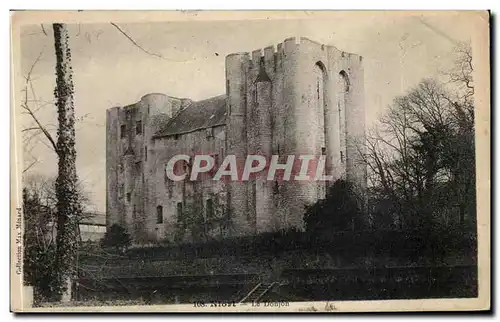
x,y
186,200
297,98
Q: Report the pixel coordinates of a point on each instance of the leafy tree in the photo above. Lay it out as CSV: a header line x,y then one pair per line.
x,y
116,237
39,238
341,210
421,154
39,245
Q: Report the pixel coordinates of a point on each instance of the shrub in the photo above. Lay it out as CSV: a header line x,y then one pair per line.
x,y
339,211
116,237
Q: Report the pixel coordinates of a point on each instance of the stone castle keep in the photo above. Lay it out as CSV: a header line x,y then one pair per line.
x,y
299,97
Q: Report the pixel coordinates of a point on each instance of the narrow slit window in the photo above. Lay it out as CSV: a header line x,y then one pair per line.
x,y
210,209
179,212
276,189
159,214
123,129
138,127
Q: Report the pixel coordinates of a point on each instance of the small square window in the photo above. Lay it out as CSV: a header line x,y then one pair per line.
x,y
276,188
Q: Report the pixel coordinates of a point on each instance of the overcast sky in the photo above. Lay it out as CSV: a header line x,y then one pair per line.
x,y
398,50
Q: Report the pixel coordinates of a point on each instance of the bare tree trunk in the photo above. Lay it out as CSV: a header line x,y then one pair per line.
x,y
68,204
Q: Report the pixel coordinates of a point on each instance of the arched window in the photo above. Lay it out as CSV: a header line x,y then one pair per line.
x,y
343,86
345,81
320,80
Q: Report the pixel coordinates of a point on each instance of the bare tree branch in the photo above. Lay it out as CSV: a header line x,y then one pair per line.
x,y
30,129
41,127
134,42
31,165
422,161
33,66
26,107
43,29
140,47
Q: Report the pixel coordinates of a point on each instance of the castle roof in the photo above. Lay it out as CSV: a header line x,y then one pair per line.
x,y
198,115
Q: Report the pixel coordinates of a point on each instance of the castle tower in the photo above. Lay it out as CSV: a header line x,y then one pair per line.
x,y
353,79
262,127
112,166
302,99
130,195
236,142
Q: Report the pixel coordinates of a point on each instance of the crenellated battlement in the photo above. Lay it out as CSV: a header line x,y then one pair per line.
x,y
273,57
288,46
256,55
308,40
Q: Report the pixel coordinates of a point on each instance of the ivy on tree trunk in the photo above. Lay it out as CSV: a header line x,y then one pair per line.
x,y
68,203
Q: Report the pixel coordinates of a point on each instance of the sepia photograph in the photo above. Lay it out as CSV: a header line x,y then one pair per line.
x,y
250,161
